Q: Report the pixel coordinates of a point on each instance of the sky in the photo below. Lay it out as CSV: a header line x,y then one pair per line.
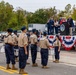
x,y
33,5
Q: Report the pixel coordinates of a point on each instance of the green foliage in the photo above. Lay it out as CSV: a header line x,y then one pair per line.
x,y
10,18
18,18
68,7
41,15
74,14
61,14
68,10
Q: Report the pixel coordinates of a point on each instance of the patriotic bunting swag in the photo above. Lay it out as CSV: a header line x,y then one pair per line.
x,y
67,41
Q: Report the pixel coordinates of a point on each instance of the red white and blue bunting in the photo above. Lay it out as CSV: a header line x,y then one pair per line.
x,y
67,41
51,40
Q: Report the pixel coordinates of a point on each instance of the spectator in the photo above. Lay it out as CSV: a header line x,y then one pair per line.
x,y
56,26
50,26
70,23
62,20
59,20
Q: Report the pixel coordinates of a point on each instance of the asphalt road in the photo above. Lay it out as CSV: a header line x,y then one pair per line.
x,y
55,69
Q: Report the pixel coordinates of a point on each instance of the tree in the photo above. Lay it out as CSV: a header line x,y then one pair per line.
x,y
61,14
68,10
74,14
41,15
21,18
18,18
5,14
10,18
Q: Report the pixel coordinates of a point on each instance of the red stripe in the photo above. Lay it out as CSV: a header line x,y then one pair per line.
x,y
68,37
51,37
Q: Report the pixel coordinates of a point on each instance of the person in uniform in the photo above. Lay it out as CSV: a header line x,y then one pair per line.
x,y
57,45
33,41
9,51
44,45
15,37
22,43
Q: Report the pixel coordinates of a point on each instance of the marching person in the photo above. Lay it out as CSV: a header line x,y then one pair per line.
x,y
57,45
33,41
44,45
15,36
22,43
9,51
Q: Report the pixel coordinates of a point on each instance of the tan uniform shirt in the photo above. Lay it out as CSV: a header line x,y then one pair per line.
x,y
15,39
9,39
5,39
57,43
22,40
44,43
33,39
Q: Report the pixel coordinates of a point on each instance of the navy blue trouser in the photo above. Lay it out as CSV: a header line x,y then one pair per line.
x,y
57,53
15,47
51,30
9,52
34,53
27,52
48,29
44,57
22,58
56,30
